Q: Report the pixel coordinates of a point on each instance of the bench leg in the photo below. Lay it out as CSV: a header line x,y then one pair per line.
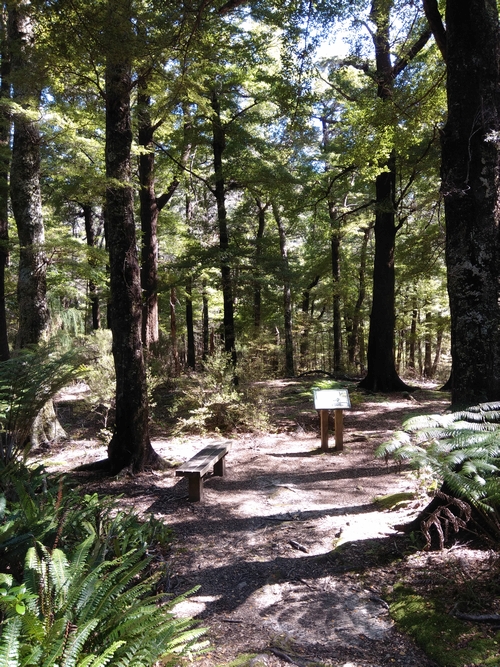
x,y
220,467
195,488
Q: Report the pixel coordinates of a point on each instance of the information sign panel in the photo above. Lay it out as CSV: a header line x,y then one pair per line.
x,y
331,399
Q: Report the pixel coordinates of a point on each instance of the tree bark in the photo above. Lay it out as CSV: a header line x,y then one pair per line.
x,y
149,223
5,123
287,295
355,344
25,180
206,332
130,444
191,354
90,235
335,257
173,332
470,186
219,145
257,287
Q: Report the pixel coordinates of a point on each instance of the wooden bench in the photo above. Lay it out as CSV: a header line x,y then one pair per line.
x,y
198,467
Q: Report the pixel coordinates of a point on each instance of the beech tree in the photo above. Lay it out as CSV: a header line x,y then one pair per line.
x,y
130,444
470,44
382,375
27,79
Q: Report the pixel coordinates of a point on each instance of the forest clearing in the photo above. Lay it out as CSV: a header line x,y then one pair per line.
x,y
295,560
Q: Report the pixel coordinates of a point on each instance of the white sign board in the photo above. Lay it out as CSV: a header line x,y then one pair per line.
x,y
331,399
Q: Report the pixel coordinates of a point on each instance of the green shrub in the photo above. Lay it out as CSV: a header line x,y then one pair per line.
x,y
213,401
37,507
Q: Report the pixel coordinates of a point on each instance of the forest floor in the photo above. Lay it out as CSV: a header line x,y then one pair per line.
x,y
294,558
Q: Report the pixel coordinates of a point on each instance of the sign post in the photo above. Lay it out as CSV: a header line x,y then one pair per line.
x,y
331,399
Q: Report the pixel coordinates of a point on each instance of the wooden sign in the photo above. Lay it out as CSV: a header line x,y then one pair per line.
x,y
331,399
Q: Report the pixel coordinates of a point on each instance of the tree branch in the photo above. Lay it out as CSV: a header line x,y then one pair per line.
x,y
435,20
416,48
230,5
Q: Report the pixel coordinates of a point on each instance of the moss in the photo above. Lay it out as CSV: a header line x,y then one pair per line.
x,y
393,500
445,639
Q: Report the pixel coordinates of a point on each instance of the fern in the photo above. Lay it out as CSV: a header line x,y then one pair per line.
x,y
461,449
27,382
87,614
10,642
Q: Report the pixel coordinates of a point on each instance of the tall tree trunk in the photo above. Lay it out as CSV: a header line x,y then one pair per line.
x,y
149,222
206,332
470,186
304,336
173,332
413,335
257,286
287,295
428,346
355,344
5,123
191,354
150,207
382,374
335,257
219,145
88,219
25,180
130,444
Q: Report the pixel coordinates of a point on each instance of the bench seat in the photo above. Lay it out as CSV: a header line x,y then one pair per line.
x,y
199,466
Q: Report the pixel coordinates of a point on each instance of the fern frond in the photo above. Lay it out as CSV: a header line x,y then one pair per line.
x,y
10,641
75,642
103,659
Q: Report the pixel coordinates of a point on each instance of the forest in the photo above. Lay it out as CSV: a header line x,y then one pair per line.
x,y
201,204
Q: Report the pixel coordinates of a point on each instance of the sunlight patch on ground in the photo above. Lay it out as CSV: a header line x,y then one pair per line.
x,y
194,605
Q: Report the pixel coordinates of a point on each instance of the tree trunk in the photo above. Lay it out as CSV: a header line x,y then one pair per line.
x,y
130,444
191,355
149,223
4,182
93,293
25,181
355,342
219,145
413,335
206,332
337,320
382,375
257,288
173,332
287,295
470,186
304,336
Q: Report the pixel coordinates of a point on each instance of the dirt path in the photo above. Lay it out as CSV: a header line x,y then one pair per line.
x,y
287,547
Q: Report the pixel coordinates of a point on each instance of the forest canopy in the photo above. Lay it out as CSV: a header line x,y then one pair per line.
x,y
293,183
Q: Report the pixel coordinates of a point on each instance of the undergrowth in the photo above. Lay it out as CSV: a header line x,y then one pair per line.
x,y
79,586
218,398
